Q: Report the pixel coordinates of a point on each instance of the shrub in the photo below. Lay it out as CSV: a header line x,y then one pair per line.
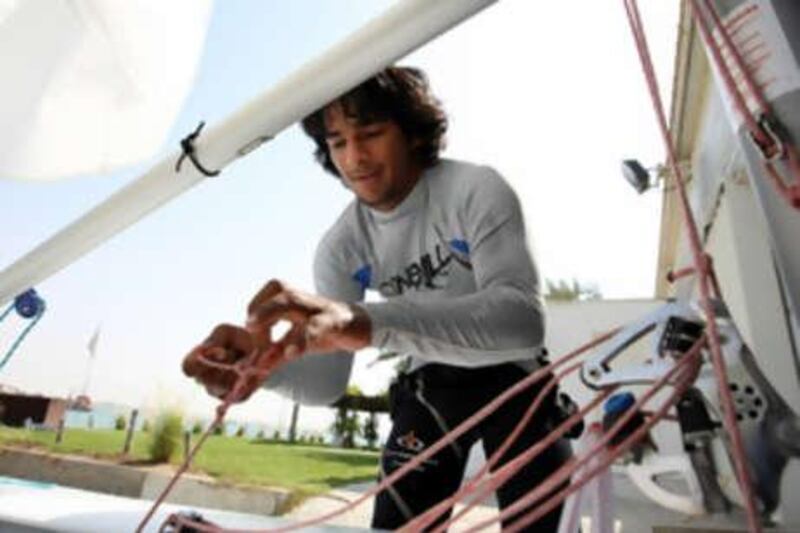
x,y
240,431
197,428
167,432
120,422
146,426
276,436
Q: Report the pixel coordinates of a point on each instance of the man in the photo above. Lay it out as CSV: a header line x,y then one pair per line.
x,y
443,242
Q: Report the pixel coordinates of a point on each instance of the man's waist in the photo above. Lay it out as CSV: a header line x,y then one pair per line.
x,y
537,359
439,375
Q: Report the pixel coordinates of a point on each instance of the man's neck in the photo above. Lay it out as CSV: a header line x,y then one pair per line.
x,y
399,196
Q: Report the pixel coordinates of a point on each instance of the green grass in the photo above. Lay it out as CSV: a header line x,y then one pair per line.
x,y
101,443
309,469
303,469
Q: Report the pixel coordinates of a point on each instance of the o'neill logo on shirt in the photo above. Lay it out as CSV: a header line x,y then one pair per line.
x,y
425,271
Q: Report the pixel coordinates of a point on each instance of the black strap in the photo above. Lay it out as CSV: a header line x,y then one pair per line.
x,y
187,145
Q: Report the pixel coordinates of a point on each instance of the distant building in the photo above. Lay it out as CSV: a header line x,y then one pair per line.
x,y
81,403
16,408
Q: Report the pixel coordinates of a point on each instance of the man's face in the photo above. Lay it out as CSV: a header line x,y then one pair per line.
x,y
374,159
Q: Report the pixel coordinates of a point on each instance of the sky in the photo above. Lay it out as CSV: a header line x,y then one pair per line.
x,y
551,94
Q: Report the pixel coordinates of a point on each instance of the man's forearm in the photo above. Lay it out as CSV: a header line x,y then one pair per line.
x,y
494,325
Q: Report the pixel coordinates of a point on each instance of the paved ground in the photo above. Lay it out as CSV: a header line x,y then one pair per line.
x,y
361,515
633,512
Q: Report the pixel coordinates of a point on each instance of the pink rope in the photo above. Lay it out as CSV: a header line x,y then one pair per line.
x,y
446,440
511,468
737,96
245,370
462,428
567,470
158,501
611,455
780,149
474,485
501,476
703,270
747,76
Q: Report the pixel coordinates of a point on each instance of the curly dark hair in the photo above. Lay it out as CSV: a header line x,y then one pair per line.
x,y
399,94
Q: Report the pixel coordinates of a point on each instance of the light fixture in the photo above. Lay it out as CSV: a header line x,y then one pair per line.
x,y
643,179
636,175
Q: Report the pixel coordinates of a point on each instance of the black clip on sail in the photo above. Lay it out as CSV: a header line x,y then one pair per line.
x,y
187,145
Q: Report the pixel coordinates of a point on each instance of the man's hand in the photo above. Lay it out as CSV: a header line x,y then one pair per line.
x,y
318,324
228,361
239,360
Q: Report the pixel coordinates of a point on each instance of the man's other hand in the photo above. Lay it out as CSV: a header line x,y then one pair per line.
x,y
318,324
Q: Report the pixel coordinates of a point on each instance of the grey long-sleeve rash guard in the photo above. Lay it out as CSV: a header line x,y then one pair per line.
x,y
452,265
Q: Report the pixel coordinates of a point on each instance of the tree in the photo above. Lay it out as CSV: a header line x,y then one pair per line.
x,y
563,291
293,423
120,422
370,429
345,427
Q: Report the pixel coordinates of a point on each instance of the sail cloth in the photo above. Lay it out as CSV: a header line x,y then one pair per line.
x,y
91,86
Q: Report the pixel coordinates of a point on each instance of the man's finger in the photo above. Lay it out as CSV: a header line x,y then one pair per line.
x,y
263,318
264,364
267,293
204,357
294,342
216,390
270,313
192,363
230,337
216,379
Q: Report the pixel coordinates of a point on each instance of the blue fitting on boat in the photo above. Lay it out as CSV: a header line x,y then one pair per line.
x,y
619,403
28,304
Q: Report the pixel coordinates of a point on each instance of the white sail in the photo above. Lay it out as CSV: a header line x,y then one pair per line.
x,y
90,86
